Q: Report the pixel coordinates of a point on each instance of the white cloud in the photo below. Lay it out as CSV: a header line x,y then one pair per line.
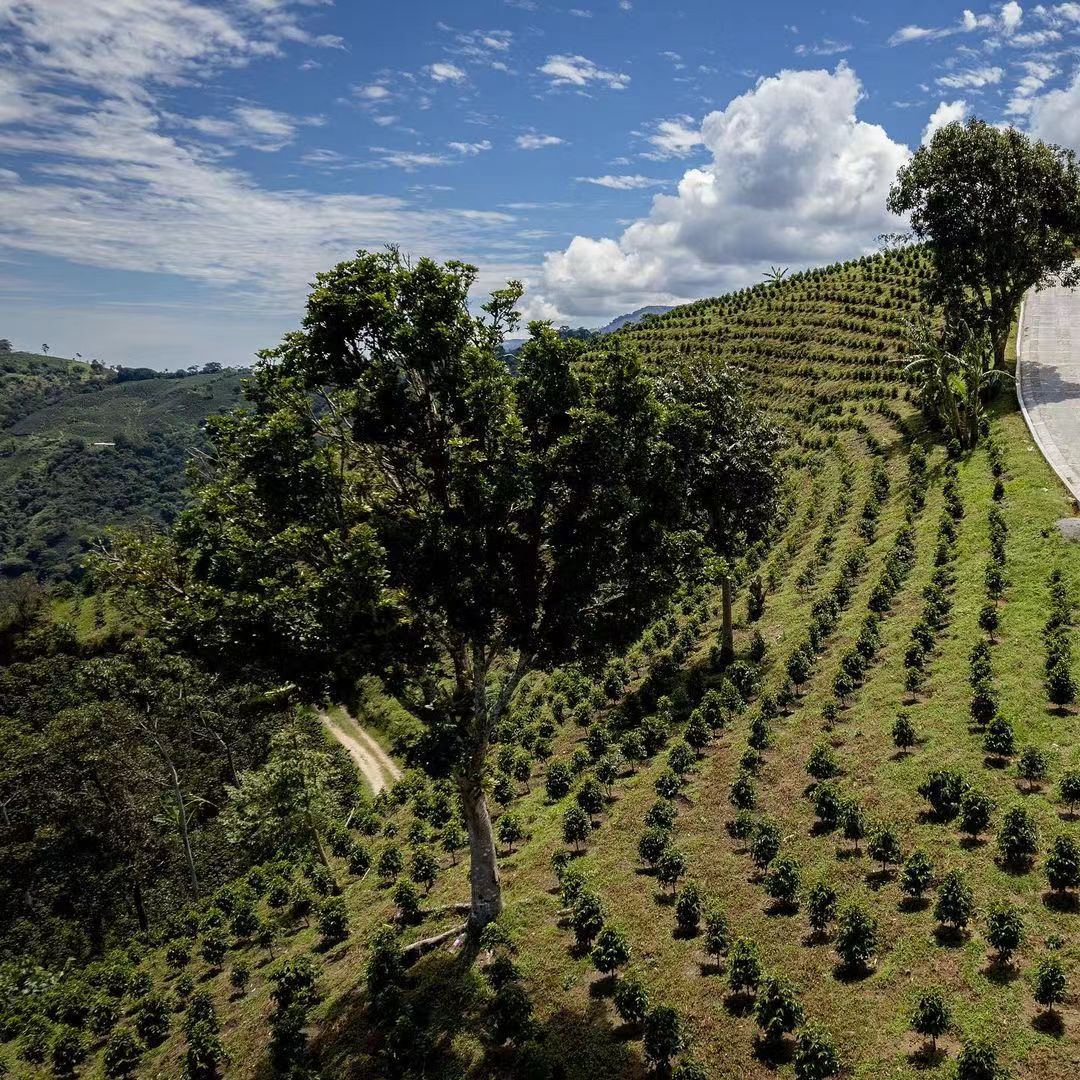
x,y
795,178
1055,116
946,113
441,71
373,92
119,182
470,149
825,47
674,138
1036,75
532,141
580,13
1012,15
972,78
621,183
580,71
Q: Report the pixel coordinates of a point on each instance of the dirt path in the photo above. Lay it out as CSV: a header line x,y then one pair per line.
x,y
371,759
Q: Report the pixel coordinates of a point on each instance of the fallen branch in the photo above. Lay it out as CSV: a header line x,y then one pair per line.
x,y
417,949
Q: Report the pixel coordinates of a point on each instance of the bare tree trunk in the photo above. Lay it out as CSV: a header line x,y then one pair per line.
x,y
484,882
727,635
185,837
139,905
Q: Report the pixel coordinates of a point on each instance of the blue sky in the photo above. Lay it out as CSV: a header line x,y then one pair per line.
x,y
173,172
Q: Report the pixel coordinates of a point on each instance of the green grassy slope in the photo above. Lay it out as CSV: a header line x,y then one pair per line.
x,y
818,350
57,489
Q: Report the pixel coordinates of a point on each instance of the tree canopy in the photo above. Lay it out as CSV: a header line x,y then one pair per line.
x,y
396,501
1002,214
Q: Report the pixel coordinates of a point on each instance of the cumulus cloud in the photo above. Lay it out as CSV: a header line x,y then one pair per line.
x,y
796,178
947,112
470,149
252,125
1037,73
532,140
581,72
621,183
1012,15
1055,116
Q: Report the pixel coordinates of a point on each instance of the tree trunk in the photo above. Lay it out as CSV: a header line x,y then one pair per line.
x,y
727,635
181,815
140,907
485,886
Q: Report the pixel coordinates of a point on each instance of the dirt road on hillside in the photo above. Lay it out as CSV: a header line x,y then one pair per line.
x,y
376,766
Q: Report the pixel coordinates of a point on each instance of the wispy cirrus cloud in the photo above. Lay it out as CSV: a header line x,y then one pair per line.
x,y
622,183
581,72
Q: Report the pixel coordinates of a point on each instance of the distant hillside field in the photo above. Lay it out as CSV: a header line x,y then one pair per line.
x,y
61,482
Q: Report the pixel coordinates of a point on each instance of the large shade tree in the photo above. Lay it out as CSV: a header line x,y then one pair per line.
x,y
1002,214
396,501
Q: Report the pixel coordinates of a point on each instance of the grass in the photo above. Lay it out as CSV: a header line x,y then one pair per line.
x,y
811,347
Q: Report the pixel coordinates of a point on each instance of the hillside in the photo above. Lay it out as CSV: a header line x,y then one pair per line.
x,y
882,566
81,449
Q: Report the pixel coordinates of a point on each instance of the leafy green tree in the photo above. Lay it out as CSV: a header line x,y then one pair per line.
x,y
978,1060
717,933
955,903
123,1052
1002,214
744,967
857,936
397,502
1004,931
663,1036
782,881
816,1056
884,846
631,1001
510,830
1051,982
932,1017
764,844
689,905
576,826
1032,766
821,902
587,918
976,810
1018,840
671,867
1063,864
285,806
777,1009
610,951
333,921
1069,789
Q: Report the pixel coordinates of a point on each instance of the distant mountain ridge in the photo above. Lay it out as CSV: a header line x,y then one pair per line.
x,y
513,344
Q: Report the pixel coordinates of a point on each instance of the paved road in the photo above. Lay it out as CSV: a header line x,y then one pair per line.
x,y
1049,378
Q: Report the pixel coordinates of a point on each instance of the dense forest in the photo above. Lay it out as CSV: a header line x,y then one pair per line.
x,y
728,658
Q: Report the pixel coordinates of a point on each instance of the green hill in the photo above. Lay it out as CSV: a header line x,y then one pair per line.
x,y
887,562
84,448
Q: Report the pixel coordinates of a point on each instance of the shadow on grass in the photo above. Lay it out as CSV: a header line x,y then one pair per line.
x,y
774,1053
1049,1023
1066,902
740,1004
950,937
1001,972
444,996
927,1057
